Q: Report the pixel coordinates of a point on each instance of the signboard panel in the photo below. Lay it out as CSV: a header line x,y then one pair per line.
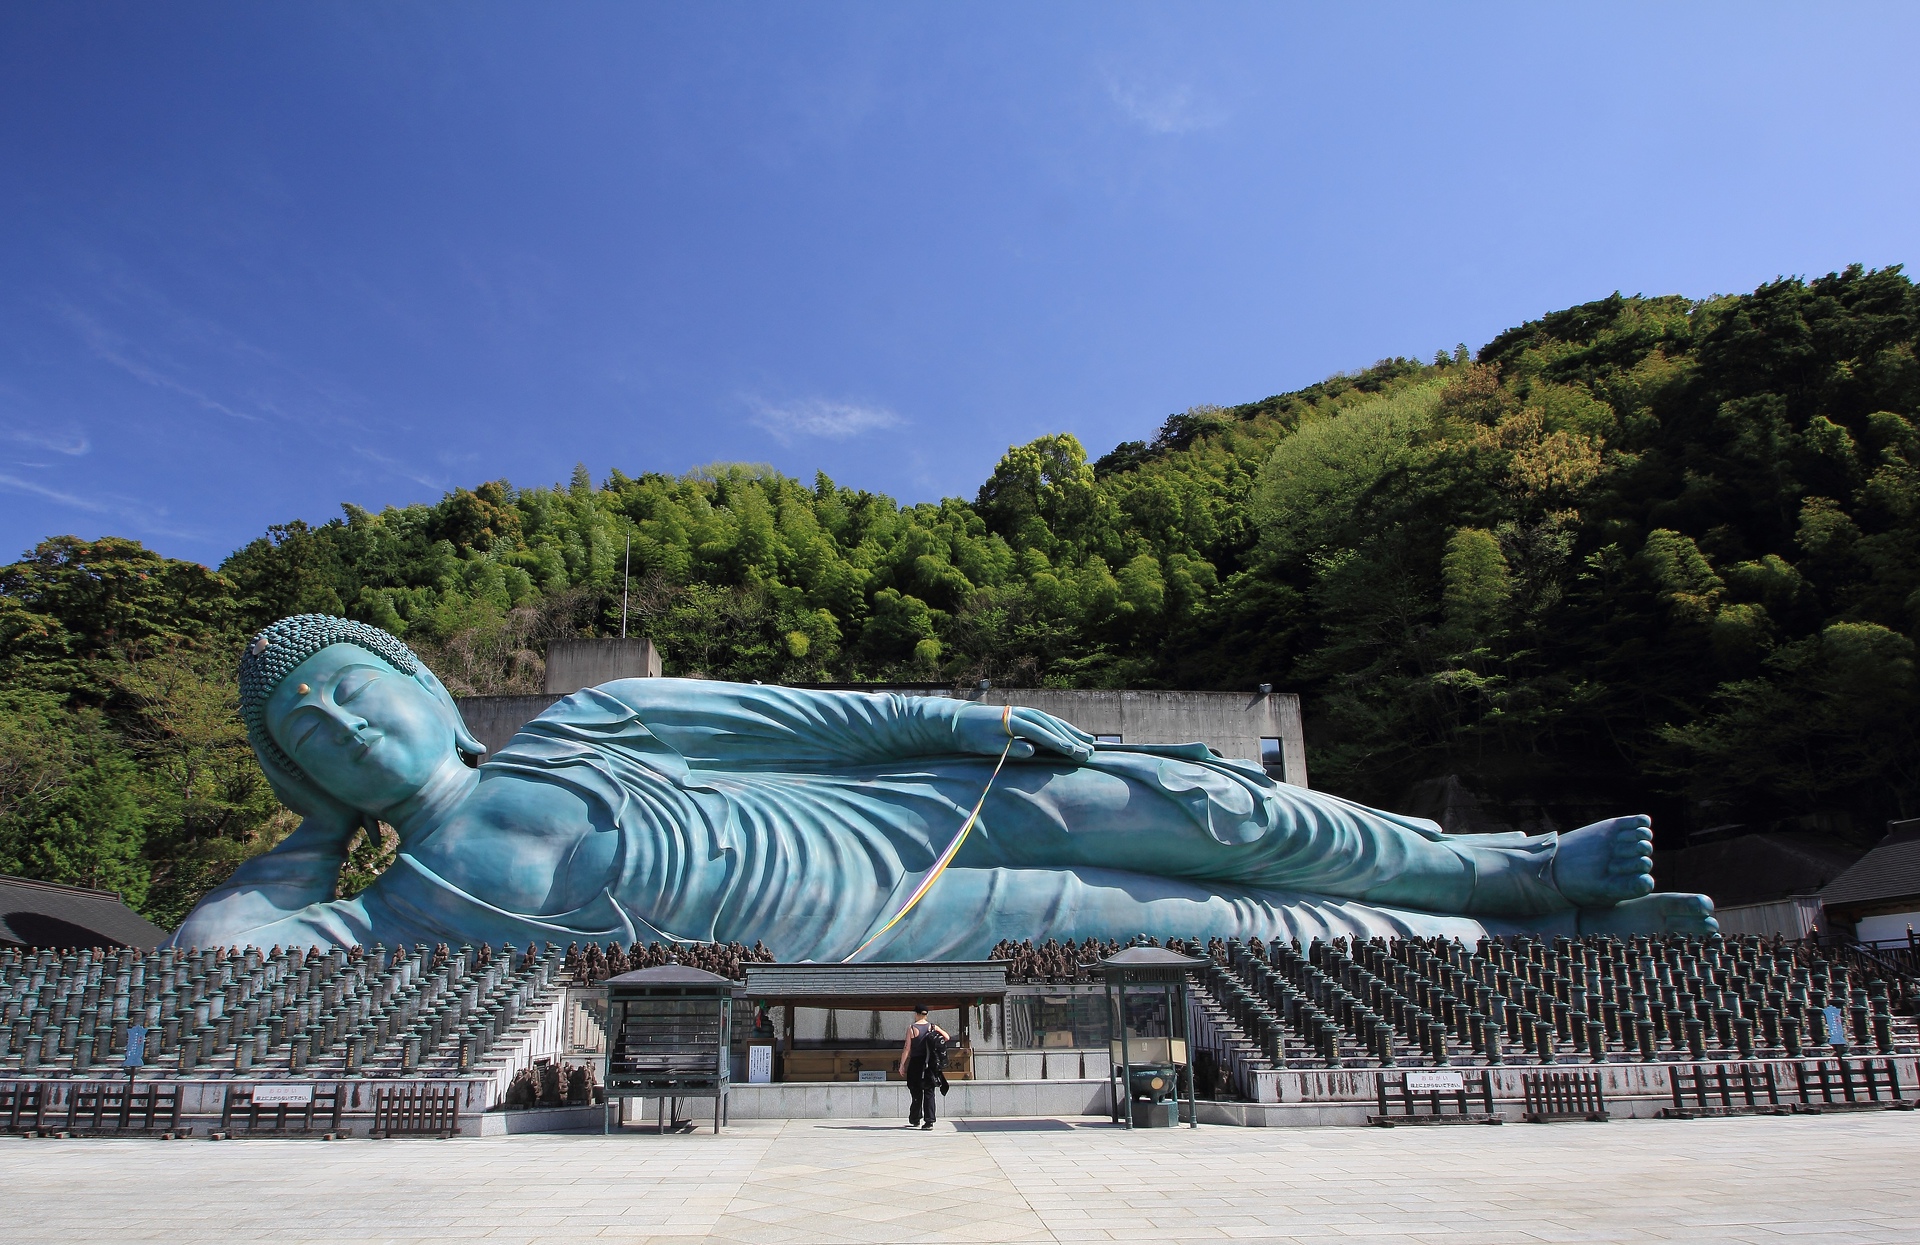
x,y
873,1075
136,1046
283,1095
1427,1082
759,1065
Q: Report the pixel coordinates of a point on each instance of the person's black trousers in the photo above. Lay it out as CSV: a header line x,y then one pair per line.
x,y
922,1091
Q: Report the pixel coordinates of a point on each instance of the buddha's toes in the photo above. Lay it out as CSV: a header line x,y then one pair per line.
x,y
1608,862
1664,912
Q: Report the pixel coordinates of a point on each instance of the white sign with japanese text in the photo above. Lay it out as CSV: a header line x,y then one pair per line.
x,y
1426,1082
282,1095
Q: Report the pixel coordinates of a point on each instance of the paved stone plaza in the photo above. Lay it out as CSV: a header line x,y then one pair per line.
x,y
1834,1179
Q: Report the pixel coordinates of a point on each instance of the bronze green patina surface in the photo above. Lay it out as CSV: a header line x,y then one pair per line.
x,y
697,810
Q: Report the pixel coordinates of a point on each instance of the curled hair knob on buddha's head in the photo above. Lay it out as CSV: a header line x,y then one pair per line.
x,y
278,649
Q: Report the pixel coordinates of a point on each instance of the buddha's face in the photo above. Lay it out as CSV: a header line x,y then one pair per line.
x,y
369,735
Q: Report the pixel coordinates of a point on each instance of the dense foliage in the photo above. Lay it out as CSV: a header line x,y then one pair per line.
x,y
1644,552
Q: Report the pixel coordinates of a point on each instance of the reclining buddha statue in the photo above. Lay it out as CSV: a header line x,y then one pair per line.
x,y
693,810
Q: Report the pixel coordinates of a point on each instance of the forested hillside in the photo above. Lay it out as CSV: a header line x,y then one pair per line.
x,y
1644,553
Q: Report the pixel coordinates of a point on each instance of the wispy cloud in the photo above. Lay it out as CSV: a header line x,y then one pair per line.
x,y
73,445
132,512
1171,108
112,348
40,490
405,471
820,417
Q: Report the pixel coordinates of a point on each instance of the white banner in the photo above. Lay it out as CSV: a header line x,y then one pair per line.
x,y
1421,1082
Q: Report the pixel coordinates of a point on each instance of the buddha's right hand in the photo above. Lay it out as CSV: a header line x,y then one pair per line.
x,y
302,868
326,825
985,729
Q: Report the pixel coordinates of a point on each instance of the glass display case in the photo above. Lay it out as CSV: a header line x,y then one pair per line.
x,y
1067,1018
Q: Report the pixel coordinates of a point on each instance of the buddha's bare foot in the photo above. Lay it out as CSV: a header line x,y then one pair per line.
x,y
1664,912
1606,863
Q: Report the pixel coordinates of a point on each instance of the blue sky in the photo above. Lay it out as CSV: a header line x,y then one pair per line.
x,y
260,259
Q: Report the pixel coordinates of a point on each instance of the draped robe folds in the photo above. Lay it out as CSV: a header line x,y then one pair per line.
x,y
803,819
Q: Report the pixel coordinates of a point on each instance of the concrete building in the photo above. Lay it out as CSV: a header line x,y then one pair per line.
x,y
571,665
1262,727
574,664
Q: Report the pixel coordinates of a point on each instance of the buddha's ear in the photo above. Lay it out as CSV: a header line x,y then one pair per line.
x,y
463,738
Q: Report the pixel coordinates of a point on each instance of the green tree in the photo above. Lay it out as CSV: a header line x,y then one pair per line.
x,y
69,799
205,804
1662,548
1477,583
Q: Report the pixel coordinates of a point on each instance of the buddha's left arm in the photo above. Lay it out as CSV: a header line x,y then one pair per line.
x,y
735,725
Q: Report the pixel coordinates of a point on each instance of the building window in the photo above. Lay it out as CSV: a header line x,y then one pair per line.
x,y
1106,739
1270,758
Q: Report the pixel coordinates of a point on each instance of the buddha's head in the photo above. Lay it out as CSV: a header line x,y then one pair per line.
x,y
339,709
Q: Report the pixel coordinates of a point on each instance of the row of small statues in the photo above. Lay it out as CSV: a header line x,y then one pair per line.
x,y
1048,961
722,959
1433,999
437,956
1052,962
549,1084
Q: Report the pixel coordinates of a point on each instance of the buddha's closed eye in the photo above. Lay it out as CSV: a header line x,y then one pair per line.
x,y
352,683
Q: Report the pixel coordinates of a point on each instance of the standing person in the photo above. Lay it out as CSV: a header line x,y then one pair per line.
x,y
922,1062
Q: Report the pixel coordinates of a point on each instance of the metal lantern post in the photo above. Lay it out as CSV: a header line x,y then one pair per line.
x,y
669,1030
1147,999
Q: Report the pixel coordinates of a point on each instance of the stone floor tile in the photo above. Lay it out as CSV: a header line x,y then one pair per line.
x,y
1843,1179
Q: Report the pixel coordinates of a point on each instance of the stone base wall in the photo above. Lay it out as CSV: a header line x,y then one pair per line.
x,y
1624,1081
1289,1098
877,1101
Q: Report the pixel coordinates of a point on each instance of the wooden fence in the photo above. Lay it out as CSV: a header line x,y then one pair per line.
x,y
1551,1096
416,1111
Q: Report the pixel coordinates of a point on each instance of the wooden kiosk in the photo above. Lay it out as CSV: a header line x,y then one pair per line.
x,y
669,1030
